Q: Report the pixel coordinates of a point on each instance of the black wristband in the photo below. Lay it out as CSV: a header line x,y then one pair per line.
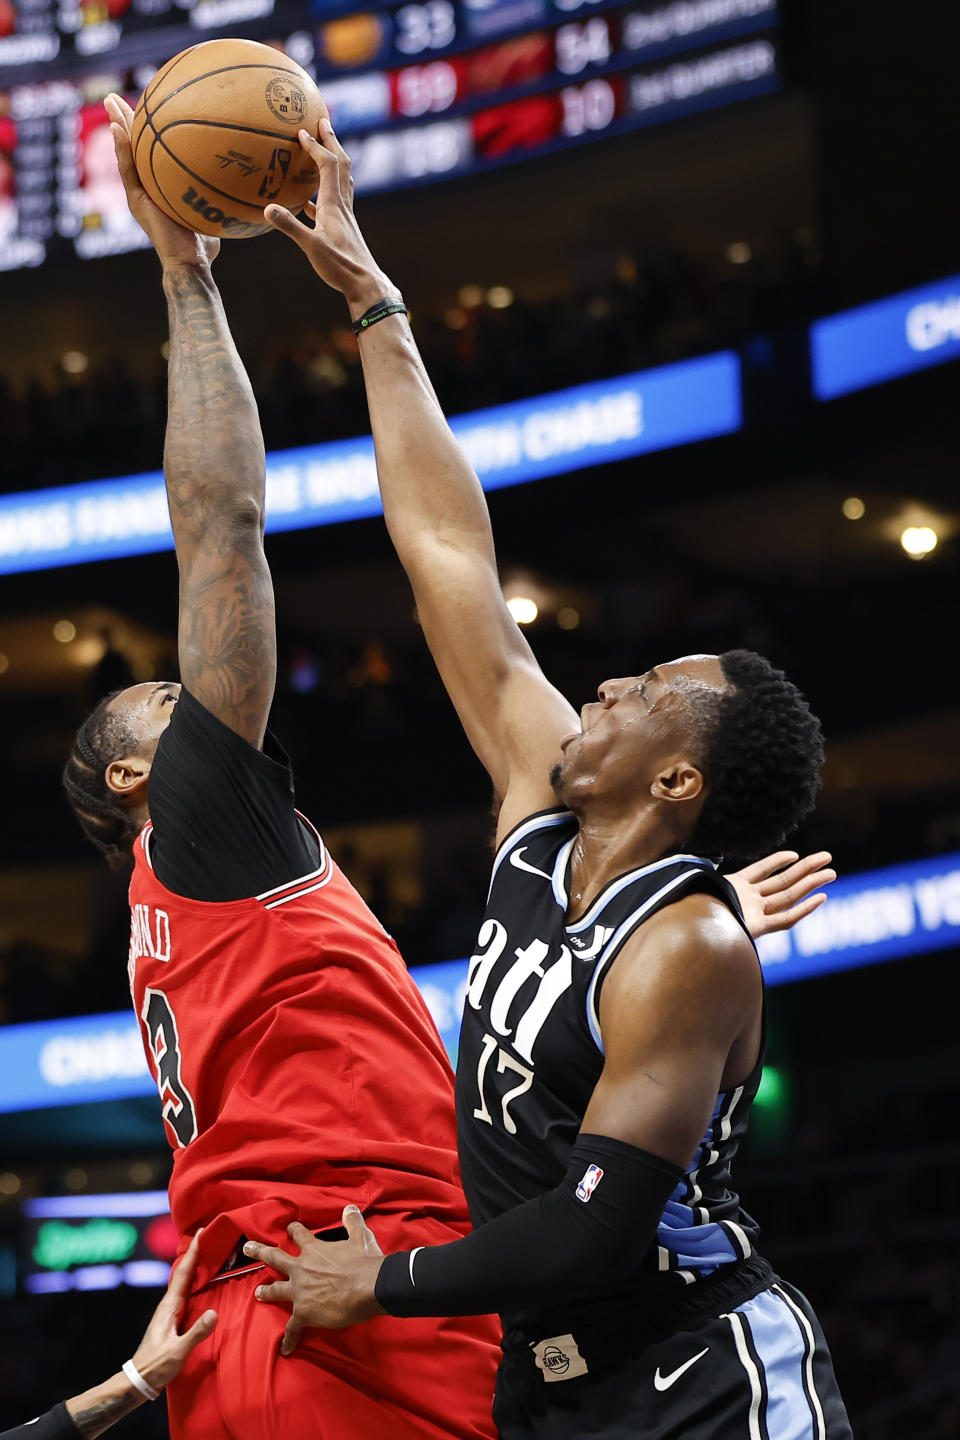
x,y
588,1234
380,311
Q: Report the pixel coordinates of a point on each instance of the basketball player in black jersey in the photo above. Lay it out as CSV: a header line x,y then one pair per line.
x,y
613,1033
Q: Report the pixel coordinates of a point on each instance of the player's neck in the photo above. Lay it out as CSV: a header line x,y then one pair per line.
x,y
606,847
140,814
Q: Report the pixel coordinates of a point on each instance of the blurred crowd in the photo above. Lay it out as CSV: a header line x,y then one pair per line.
x,y
486,347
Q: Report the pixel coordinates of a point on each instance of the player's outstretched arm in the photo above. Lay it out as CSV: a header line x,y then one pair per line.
x,y
437,515
215,472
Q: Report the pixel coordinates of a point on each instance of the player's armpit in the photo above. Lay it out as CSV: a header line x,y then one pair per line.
x,y
680,1018
214,469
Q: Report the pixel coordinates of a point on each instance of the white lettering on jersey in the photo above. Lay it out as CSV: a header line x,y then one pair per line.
x,y
557,979
554,980
601,935
526,965
149,934
491,943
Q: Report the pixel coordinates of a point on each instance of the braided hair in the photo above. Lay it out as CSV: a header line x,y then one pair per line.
x,y
102,738
762,751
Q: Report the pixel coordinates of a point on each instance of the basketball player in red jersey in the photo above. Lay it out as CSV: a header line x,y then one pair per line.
x,y
297,1064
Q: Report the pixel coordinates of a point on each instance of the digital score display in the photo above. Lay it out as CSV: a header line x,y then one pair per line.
x,y
418,91
96,1242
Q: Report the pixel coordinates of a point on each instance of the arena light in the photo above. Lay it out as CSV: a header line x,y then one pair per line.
x,y
919,541
772,1088
854,508
64,631
523,609
500,297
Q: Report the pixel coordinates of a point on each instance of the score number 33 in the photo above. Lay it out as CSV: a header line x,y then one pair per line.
x,y
504,1062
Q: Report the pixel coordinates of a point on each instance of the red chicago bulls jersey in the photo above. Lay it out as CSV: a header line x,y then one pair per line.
x,y
297,1064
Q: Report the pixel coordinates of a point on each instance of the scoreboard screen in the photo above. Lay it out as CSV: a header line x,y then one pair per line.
x,y
419,91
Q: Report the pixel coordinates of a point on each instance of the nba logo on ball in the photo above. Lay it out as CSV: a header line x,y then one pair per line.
x,y
591,1179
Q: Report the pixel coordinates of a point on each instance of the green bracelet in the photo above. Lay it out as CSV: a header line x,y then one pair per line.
x,y
380,311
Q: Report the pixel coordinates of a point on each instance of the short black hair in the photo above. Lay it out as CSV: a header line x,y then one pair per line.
x,y
762,752
102,738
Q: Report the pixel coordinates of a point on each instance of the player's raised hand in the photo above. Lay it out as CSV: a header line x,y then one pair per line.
x,y
776,892
335,245
174,243
330,1284
162,1351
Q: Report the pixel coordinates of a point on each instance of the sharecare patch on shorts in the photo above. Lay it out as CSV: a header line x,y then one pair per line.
x,y
591,1179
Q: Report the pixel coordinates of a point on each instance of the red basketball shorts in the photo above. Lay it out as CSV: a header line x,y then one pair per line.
x,y
386,1380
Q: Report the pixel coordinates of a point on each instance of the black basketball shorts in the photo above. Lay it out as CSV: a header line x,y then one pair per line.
x,y
761,1371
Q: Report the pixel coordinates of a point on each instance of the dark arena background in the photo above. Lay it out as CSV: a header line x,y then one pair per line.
x,y
688,270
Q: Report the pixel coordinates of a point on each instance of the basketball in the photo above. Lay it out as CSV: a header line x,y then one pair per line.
x,y
215,136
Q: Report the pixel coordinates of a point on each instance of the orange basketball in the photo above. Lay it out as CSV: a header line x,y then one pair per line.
x,y
215,136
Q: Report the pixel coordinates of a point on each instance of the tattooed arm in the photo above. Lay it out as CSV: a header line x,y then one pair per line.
x,y
96,1410
214,467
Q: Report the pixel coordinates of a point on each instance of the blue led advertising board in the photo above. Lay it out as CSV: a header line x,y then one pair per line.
x,y
322,484
888,338
878,915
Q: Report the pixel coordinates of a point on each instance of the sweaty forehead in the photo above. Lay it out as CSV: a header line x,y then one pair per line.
x,y
131,698
691,669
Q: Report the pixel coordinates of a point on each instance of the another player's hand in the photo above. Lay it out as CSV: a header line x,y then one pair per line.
x,y
161,1353
329,1284
777,892
175,244
335,247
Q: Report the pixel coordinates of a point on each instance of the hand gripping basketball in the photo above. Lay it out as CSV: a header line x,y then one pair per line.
x,y
335,246
175,244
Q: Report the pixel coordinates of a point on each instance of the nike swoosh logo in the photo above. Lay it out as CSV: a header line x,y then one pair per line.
x,y
663,1382
520,864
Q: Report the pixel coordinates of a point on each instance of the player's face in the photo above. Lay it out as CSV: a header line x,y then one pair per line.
x,y
147,709
637,725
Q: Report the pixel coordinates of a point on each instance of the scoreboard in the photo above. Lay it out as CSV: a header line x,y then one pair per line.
x,y
419,91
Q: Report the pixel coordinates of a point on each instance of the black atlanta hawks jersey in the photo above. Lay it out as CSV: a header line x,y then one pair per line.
x,y
531,1051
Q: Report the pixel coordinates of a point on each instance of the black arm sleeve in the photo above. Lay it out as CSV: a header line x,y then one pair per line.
x,y
224,822
584,1236
55,1425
